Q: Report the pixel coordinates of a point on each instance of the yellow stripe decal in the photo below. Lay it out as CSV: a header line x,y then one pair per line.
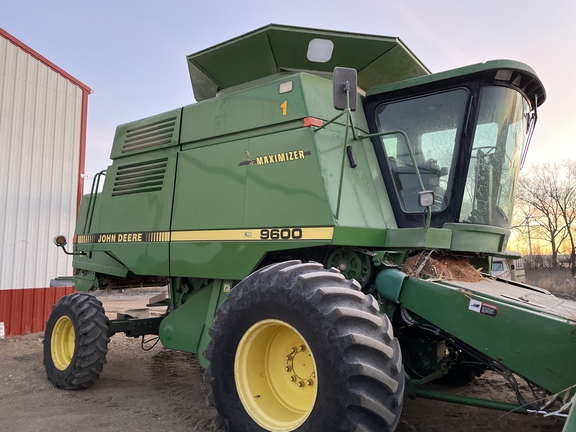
x,y
323,233
126,237
262,234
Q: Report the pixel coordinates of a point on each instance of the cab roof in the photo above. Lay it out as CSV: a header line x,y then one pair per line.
x,y
277,48
503,72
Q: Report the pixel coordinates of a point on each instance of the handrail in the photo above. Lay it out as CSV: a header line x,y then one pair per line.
x,y
92,202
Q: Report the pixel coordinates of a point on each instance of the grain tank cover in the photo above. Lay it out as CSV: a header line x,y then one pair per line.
x,y
275,48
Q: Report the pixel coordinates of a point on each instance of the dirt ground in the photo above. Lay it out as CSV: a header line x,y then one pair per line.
x,y
163,390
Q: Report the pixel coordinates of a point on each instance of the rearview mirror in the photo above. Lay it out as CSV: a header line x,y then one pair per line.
x,y
345,79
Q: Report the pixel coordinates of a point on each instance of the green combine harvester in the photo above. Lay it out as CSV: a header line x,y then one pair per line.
x,y
325,217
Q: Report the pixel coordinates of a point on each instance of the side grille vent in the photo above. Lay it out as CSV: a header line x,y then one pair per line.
x,y
139,178
151,135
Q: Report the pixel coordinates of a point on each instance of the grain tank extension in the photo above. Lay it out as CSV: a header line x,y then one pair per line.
x,y
325,218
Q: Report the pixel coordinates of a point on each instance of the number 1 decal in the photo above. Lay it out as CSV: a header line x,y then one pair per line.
x,y
284,107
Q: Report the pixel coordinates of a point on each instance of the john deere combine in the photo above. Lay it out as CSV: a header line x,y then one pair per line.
x,y
323,217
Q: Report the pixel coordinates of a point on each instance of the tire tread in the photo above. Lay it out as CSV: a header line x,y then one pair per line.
x,y
363,353
91,348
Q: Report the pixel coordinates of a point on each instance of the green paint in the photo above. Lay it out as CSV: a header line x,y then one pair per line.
x,y
414,391
217,297
100,262
182,328
419,238
389,284
274,48
520,336
467,72
186,329
477,238
570,425
241,167
85,280
202,259
356,236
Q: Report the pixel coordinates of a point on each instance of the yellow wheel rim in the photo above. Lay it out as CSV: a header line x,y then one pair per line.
x,y
275,375
62,343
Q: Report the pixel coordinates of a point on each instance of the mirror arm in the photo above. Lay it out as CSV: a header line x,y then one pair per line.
x,y
349,112
330,121
428,218
70,253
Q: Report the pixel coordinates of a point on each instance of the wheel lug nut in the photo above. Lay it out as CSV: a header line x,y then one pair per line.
x,y
300,383
309,382
293,378
288,368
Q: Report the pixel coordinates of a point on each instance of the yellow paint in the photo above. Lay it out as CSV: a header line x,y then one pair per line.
x,y
62,343
258,234
89,238
321,233
132,237
288,156
216,235
106,238
275,374
284,107
129,237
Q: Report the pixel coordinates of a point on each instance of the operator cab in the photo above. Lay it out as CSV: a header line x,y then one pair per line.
x,y
461,134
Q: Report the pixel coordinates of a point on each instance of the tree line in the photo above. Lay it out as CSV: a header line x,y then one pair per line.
x,y
544,221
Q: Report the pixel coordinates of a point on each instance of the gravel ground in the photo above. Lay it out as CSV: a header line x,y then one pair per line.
x,y
163,390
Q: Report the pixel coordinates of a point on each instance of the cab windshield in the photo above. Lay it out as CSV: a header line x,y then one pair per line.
x,y
497,147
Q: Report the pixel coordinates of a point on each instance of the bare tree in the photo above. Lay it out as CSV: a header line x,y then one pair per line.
x,y
523,218
565,195
538,190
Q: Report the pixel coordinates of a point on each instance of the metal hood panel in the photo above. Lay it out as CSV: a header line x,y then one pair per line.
x,y
275,48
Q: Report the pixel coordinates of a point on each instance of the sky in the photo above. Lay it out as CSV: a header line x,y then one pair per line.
x,y
132,53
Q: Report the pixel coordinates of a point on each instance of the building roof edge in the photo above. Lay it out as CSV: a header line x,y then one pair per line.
x,y
43,60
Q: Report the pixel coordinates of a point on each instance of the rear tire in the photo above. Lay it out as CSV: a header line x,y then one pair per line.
x,y
75,342
299,348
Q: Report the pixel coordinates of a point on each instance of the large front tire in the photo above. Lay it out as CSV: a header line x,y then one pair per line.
x,y
75,342
298,348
